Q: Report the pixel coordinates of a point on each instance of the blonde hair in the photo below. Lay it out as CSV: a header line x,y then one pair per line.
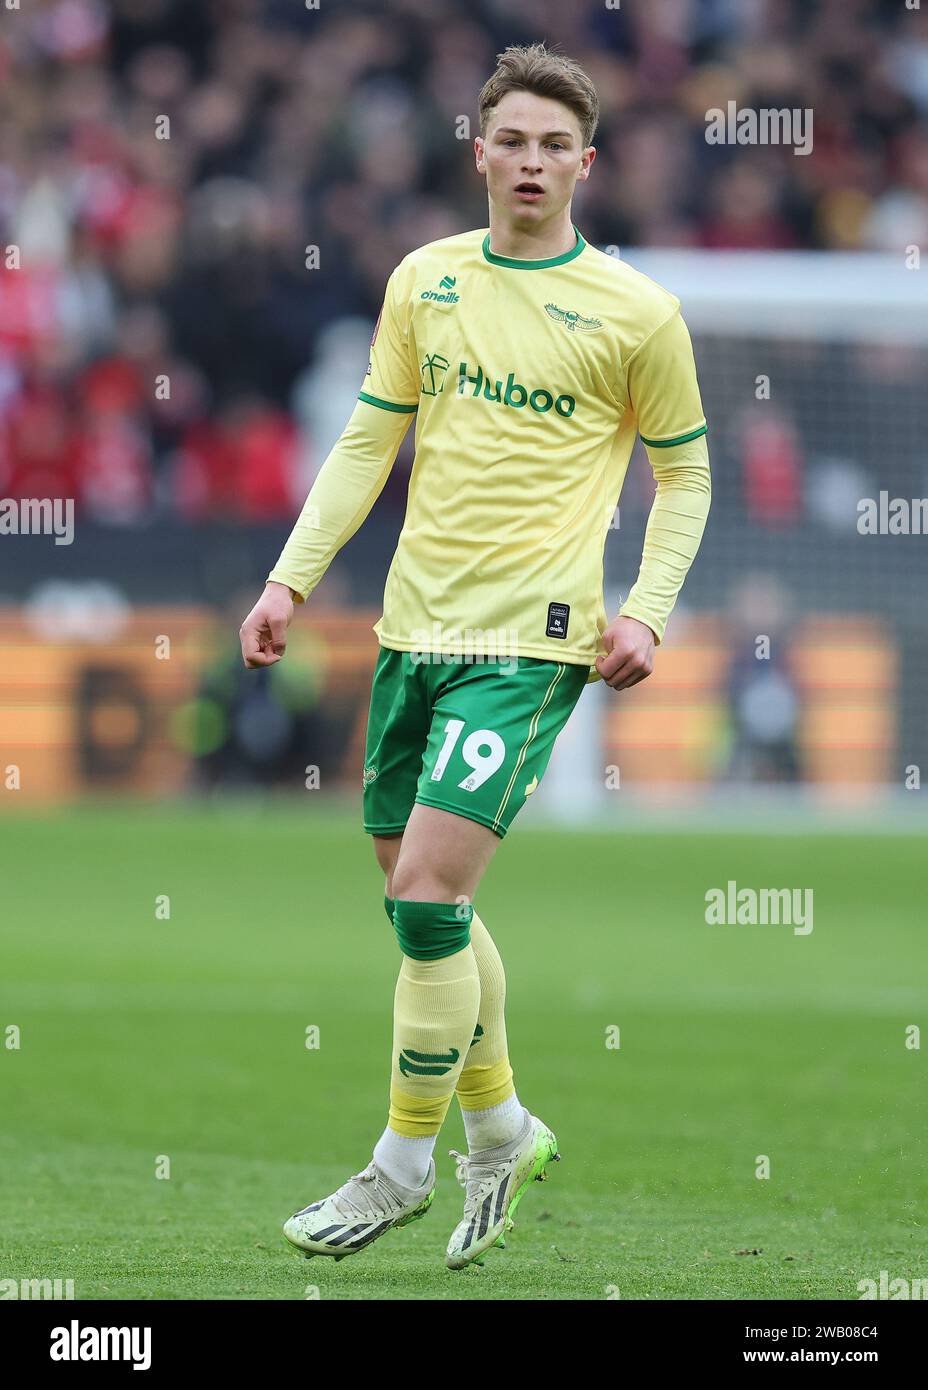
x,y
533,69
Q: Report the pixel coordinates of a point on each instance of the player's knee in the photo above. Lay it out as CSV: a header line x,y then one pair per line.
x,y
423,877
431,930
420,884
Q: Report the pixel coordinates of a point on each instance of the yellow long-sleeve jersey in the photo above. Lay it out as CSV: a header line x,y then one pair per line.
x,y
529,381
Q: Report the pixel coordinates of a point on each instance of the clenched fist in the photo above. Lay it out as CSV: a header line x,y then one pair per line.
x,y
629,653
264,632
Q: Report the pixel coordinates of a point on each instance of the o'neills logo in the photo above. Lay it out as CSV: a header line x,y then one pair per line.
x,y
446,283
514,393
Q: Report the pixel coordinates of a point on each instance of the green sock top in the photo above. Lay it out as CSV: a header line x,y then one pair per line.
x,y
429,931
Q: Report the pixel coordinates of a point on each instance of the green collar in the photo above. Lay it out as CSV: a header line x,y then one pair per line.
x,y
512,264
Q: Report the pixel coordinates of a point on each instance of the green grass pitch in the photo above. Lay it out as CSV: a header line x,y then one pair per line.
x,y
185,1037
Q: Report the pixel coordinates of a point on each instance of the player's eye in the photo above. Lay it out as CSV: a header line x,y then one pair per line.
x,y
553,145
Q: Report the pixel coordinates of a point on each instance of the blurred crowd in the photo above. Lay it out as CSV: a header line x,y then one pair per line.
x,y
201,200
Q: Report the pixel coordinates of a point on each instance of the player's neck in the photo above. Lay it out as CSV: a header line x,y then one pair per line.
x,y
532,243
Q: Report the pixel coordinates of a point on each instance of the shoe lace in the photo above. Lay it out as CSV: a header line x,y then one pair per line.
x,y
475,1177
378,1199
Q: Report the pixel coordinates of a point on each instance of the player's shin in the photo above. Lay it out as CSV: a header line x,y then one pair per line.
x,y
434,1018
490,1108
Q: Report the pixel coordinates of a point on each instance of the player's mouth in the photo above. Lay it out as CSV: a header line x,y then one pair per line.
x,y
529,192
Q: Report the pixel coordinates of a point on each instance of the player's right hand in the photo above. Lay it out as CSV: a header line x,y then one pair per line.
x,y
263,634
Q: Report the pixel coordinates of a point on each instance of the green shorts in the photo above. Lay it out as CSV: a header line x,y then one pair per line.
x,y
473,737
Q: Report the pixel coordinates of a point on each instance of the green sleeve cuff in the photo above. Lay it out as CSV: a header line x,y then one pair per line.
x,y
678,439
388,405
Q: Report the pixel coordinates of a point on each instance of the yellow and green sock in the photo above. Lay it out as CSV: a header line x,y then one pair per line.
x,y
434,1019
490,1108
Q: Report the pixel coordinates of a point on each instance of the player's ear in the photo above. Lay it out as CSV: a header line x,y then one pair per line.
x,y
586,161
479,148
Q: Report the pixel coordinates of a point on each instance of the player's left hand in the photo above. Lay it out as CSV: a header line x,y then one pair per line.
x,y
630,653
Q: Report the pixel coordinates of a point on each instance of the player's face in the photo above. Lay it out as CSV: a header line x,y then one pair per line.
x,y
532,156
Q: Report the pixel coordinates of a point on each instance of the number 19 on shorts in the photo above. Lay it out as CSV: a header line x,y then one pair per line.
x,y
483,764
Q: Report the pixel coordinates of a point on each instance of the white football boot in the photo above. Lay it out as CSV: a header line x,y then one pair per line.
x,y
494,1181
361,1211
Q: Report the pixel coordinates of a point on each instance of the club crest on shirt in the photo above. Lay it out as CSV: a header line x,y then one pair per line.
x,y
573,322
433,373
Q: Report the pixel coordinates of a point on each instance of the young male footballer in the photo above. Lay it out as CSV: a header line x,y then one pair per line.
x,y
530,361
